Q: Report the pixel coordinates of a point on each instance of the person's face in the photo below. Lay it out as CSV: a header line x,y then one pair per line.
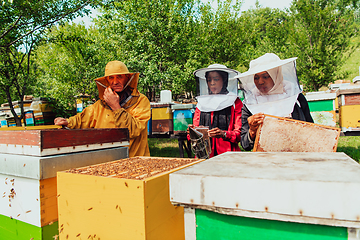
x,y
263,82
118,82
214,82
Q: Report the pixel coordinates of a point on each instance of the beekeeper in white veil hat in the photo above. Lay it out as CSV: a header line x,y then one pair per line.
x,y
219,107
270,87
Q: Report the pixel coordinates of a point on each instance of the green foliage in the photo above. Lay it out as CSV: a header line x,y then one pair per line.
x,y
68,64
21,29
155,39
321,35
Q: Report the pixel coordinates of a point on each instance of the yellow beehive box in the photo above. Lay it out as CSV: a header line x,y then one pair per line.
x,y
161,111
350,116
124,199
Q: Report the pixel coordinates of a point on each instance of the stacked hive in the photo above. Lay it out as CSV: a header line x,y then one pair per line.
x,y
322,107
29,161
257,195
349,108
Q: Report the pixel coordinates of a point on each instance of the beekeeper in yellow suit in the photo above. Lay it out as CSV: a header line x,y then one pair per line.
x,y
121,105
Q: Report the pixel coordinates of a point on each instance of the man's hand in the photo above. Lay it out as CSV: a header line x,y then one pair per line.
x,y
216,133
254,123
61,121
112,99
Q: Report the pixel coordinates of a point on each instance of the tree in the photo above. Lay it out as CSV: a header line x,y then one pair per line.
x,y
21,29
320,36
155,38
69,59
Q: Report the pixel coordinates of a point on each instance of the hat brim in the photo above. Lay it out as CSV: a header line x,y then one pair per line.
x,y
265,67
200,73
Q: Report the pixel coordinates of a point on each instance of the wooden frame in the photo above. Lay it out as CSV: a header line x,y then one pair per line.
x,y
303,144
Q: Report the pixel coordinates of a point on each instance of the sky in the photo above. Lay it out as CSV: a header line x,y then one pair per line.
x,y
247,4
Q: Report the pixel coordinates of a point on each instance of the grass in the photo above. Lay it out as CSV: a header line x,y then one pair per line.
x,y
351,146
351,65
166,147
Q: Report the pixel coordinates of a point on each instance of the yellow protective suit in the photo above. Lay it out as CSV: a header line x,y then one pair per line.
x,y
134,116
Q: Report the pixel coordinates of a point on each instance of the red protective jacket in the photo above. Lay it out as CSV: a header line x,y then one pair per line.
x,y
233,134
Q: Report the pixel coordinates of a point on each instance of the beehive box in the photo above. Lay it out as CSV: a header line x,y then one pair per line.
x,y
349,109
28,207
182,116
278,134
161,118
322,107
254,195
126,199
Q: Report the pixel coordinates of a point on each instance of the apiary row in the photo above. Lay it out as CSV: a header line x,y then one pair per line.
x,y
170,118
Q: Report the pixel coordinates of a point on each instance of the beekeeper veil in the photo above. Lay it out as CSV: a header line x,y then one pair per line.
x,y
281,98
209,101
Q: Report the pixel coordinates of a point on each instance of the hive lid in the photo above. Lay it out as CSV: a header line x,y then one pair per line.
x,y
183,106
301,187
45,142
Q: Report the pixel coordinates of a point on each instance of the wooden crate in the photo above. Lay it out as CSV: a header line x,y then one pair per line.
x,y
120,200
161,118
278,134
263,195
49,141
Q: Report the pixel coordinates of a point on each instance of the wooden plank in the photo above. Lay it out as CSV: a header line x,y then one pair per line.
x,y
162,126
46,167
76,137
57,138
278,134
48,201
352,99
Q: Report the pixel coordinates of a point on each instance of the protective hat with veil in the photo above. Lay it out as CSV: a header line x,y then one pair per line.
x,y
129,93
281,98
208,102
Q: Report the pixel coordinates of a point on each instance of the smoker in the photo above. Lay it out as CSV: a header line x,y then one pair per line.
x,y
200,142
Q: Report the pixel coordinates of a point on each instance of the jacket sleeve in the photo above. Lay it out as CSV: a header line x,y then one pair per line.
x,y
234,133
305,108
246,142
135,118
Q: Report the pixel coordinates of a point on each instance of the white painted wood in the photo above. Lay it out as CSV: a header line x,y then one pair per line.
x,y
190,223
25,206
313,185
47,167
353,233
37,151
316,96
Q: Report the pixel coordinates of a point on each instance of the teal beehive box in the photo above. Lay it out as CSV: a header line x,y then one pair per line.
x,y
182,116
